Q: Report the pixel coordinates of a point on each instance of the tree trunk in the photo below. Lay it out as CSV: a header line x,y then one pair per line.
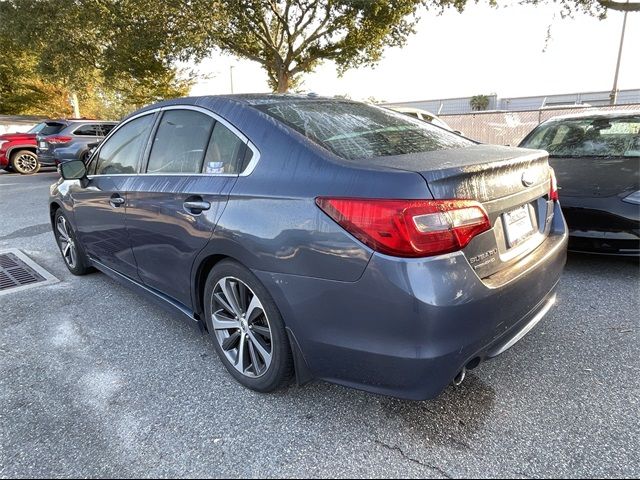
x,y
283,82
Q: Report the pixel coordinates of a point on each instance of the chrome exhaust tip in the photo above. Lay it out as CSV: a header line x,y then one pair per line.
x,y
459,378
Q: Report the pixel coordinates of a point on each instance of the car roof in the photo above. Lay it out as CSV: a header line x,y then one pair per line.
x,y
70,121
234,103
249,99
266,98
595,114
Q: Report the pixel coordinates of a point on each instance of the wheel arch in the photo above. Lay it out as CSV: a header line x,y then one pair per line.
x,y
53,208
202,271
301,369
16,148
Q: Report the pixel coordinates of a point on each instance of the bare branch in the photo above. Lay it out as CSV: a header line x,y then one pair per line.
x,y
620,6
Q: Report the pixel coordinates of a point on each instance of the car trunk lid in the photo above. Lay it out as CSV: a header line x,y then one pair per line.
x,y
512,184
481,172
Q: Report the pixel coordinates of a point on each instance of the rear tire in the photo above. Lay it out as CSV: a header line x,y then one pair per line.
x,y
71,250
25,162
247,329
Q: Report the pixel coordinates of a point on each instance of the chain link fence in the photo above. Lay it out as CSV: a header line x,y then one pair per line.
x,y
509,128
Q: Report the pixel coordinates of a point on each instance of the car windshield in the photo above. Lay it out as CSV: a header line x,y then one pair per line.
x,y
357,131
600,137
37,128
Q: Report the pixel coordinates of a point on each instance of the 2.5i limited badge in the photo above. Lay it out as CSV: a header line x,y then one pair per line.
x,y
483,259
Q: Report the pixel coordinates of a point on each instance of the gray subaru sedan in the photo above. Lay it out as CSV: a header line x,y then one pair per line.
x,y
320,238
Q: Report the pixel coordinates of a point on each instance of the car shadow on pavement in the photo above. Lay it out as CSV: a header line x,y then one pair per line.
x,y
450,420
588,263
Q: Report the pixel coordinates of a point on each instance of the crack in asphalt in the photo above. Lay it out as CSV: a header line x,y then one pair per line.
x,y
395,448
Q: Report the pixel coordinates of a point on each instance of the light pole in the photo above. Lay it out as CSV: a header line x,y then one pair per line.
x,y
614,92
231,76
73,100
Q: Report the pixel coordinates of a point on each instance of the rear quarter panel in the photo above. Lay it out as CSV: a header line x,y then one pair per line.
x,y
271,222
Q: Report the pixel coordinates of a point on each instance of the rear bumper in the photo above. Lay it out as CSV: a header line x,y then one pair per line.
x,y
604,225
605,243
46,159
407,327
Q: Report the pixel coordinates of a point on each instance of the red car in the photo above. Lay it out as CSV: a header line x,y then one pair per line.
x,y
18,150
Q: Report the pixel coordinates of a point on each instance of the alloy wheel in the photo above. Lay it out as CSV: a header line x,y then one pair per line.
x,y
26,163
241,327
66,242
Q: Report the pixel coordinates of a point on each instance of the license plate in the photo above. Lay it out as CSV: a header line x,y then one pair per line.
x,y
518,225
43,145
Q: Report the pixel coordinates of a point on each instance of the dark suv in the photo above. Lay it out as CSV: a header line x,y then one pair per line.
x,y
66,140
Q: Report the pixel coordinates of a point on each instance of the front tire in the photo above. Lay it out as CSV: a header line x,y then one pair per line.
x,y
72,253
25,162
247,329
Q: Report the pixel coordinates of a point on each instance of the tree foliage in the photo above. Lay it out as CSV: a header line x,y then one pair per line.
x,y
117,55
479,102
22,90
291,37
596,8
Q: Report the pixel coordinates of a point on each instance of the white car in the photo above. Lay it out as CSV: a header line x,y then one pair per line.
x,y
423,115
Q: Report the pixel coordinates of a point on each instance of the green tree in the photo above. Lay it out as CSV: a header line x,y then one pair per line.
x,y
120,54
22,90
596,8
291,37
479,102
116,55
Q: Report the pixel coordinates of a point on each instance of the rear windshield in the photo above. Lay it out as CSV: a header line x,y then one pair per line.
x,y
37,128
356,130
51,128
601,137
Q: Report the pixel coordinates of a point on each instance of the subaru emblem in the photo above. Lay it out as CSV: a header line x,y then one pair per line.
x,y
528,178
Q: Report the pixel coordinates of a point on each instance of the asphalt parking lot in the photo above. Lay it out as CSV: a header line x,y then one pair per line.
x,y
95,381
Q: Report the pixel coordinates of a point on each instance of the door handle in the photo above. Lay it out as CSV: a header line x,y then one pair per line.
x,y
116,200
196,207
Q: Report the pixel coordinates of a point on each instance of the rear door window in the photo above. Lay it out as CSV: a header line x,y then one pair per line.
x,y
180,142
225,153
88,131
121,152
106,129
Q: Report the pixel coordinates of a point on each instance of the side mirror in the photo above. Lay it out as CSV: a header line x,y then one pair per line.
x,y
75,170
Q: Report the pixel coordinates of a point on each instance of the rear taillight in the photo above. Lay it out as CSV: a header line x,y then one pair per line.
x,y
409,228
553,191
57,139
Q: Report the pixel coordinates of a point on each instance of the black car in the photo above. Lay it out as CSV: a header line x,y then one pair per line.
x,y
596,157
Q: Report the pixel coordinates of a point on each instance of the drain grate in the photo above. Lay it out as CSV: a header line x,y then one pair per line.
x,y
19,272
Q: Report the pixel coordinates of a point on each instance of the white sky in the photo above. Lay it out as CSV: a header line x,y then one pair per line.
x,y
483,50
